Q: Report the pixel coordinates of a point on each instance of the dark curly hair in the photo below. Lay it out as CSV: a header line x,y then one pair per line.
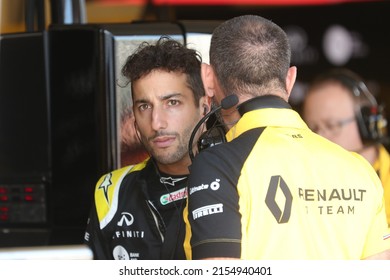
x,y
169,55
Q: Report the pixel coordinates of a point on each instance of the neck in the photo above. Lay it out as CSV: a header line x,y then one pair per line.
x,y
261,102
247,104
177,168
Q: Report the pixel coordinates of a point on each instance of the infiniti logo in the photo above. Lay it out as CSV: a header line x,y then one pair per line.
x,y
127,218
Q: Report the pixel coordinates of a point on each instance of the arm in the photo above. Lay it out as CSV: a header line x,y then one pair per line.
x,y
385,255
92,236
213,215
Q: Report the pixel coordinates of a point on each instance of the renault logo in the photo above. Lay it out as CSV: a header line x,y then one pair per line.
x,y
281,212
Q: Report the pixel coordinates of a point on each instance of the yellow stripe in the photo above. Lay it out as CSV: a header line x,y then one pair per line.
x,y
107,189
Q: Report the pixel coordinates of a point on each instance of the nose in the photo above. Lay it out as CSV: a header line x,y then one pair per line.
x,y
159,119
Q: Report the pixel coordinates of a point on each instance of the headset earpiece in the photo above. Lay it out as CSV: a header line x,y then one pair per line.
x,y
372,123
369,115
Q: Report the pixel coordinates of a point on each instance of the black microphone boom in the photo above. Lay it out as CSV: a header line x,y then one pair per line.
x,y
226,103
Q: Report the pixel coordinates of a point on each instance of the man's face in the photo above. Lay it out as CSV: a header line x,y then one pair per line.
x,y
330,111
165,114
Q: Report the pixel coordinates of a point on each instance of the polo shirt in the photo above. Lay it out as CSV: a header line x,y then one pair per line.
x,y
277,190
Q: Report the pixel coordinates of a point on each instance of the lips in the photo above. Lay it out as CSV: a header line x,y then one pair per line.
x,y
163,141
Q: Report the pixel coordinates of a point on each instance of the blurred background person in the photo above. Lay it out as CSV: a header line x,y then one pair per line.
x,y
132,150
339,106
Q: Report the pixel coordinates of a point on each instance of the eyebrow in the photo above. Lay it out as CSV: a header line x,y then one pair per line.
x,y
164,97
168,96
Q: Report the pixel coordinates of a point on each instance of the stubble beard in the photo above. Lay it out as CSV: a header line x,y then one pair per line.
x,y
175,153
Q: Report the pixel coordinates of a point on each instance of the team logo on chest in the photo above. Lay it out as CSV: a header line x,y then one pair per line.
x,y
173,196
126,219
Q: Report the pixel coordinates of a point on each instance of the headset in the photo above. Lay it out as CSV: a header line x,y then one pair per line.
x,y
216,134
370,117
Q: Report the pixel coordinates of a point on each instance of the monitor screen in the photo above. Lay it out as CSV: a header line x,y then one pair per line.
x,y
24,140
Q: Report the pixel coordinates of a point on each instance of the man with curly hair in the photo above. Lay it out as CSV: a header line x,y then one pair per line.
x,y
137,210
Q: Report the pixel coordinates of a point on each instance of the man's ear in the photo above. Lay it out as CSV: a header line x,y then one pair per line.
x,y
207,74
290,79
205,104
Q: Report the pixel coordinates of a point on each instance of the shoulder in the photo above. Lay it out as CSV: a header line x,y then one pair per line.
x,y
107,190
226,158
237,147
117,175
108,185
